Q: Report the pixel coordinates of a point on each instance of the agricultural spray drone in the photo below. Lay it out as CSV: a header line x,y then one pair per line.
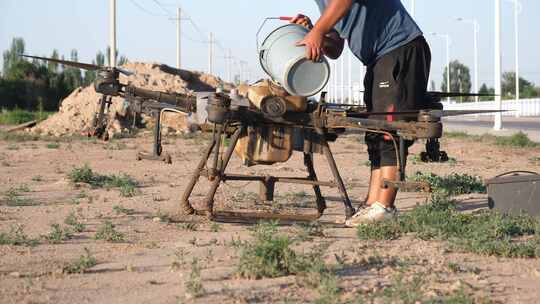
x,y
267,130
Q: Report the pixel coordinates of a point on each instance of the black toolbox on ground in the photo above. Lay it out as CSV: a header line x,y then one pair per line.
x,y
515,193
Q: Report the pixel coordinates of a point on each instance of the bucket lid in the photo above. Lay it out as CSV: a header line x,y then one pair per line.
x,y
306,78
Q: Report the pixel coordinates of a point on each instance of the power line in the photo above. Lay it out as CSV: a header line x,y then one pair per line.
x,y
163,8
145,10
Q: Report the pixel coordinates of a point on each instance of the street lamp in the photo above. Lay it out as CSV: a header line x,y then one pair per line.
x,y
498,62
474,22
447,38
517,10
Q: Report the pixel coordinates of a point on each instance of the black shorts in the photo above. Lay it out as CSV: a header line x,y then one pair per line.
x,y
397,81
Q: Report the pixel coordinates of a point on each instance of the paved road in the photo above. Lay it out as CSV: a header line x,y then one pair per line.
x,y
482,125
525,123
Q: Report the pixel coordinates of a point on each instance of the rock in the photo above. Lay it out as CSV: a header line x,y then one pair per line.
x,y
15,274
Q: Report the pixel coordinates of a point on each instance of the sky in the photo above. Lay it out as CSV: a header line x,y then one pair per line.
x,y
146,32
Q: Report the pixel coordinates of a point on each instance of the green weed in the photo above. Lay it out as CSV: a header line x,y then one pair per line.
x,y
487,233
269,256
58,234
520,140
12,197
453,184
82,264
194,283
127,185
122,210
17,237
53,145
107,232
215,227
18,116
189,226
74,222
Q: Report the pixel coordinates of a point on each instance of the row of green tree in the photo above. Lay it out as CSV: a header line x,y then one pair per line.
x,y
36,84
460,81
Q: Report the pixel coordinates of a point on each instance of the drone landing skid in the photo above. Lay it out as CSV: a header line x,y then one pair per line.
x,y
157,151
216,174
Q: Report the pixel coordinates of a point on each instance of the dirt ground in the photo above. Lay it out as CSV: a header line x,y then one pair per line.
x,y
154,262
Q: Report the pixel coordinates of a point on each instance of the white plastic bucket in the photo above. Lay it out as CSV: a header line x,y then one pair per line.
x,y
286,63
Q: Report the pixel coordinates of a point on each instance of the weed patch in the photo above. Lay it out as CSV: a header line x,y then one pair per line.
x,y
453,184
72,221
107,232
520,140
53,145
269,256
194,283
82,264
487,233
17,237
122,210
58,234
126,184
13,197
18,116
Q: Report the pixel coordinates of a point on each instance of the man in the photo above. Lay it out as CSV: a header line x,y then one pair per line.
x,y
387,40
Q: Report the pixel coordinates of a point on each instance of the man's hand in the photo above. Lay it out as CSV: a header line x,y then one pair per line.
x,y
303,20
314,44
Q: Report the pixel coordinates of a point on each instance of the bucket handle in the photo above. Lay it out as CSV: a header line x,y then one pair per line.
x,y
516,173
282,18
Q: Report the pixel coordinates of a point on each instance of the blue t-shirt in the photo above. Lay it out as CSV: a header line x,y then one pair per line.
x,y
374,28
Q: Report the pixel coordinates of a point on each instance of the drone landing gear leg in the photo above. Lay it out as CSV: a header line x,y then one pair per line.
x,y
185,205
157,147
321,203
433,152
209,199
349,210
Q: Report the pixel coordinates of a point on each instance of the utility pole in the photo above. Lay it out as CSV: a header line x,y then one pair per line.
x,y
112,33
229,59
498,62
517,10
336,92
447,38
342,79
179,39
413,8
474,22
350,78
211,54
178,20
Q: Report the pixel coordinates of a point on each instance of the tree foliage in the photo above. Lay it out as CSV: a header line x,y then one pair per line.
x,y
36,84
527,89
460,78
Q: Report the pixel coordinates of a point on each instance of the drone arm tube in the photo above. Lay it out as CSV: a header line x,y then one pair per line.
x,y
184,102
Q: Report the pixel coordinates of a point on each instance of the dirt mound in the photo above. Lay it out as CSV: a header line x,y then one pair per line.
x,y
78,109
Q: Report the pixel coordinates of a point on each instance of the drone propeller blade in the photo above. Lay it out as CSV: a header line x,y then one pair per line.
x,y
79,65
124,71
457,94
438,113
448,113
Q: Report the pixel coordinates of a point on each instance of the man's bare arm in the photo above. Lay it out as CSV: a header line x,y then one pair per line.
x,y
315,39
333,44
332,14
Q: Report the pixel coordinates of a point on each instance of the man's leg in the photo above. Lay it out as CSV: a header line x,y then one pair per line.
x,y
374,186
387,196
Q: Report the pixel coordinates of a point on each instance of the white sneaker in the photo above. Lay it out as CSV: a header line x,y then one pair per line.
x,y
375,213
